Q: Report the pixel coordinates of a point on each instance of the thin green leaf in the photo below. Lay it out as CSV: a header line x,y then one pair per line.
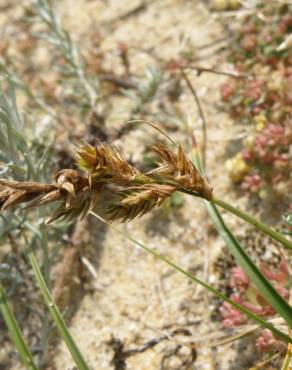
x,y
259,280
55,313
262,284
259,225
220,295
15,332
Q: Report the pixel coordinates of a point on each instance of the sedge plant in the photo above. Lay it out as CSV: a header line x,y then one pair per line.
x,y
77,192
135,193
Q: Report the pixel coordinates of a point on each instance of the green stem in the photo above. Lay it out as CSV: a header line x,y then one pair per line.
x,y
251,220
44,341
220,295
246,217
15,331
55,313
265,288
228,207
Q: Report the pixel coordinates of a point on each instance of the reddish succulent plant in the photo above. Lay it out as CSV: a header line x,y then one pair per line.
x,y
246,294
262,102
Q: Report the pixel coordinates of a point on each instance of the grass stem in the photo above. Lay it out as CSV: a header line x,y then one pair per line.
x,y
251,220
247,218
220,295
55,313
15,332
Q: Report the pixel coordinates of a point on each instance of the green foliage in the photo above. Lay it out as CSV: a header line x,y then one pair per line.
x,y
74,68
25,159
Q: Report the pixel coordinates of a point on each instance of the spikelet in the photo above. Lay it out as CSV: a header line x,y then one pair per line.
x,y
175,166
72,189
78,198
105,163
13,192
138,200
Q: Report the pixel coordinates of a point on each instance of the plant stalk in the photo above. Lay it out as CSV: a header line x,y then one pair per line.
x,y
247,218
220,295
55,313
251,220
15,332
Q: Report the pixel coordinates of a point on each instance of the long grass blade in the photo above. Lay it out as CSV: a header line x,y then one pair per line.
x,y
262,284
56,315
247,218
220,295
259,280
251,220
15,332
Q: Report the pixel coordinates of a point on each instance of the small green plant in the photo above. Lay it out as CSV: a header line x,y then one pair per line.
x,y
71,63
147,88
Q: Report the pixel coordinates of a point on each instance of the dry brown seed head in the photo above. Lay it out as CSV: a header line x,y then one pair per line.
x,y
72,208
138,200
178,168
105,163
77,198
28,186
13,192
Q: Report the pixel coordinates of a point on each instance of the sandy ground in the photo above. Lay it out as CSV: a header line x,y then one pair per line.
x,y
130,296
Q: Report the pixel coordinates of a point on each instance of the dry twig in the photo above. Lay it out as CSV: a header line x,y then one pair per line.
x,y
201,114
